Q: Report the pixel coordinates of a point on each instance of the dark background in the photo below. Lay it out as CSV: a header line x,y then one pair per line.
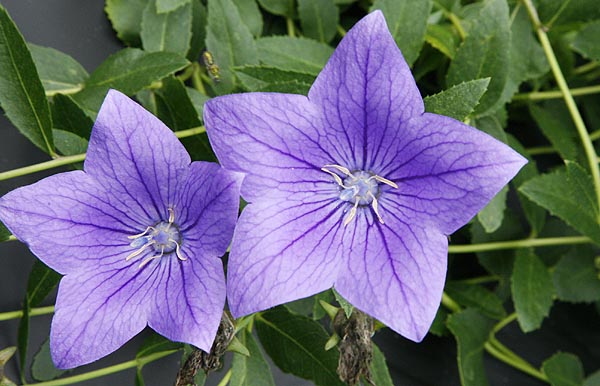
x,y
81,29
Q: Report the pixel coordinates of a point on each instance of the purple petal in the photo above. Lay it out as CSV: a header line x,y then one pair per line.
x,y
395,272
97,311
136,156
366,92
284,250
273,137
207,207
189,299
446,172
69,221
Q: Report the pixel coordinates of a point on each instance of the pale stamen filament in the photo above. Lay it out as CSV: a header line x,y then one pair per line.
x,y
178,250
139,251
140,234
143,263
342,169
385,181
352,213
375,206
335,177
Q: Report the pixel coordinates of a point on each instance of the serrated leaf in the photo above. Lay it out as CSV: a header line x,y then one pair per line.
x,y
443,38
379,370
407,21
68,116
458,101
22,95
318,18
278,7
576,276
485,53
471,330
167,31
555,122
166,6
42,367
553,192
176,110
262,78
229,40
492,214
252,16
476,296
563,369
581,182
296,345
126,19
586,41
282,52
129,71
58,72
252,370
532,290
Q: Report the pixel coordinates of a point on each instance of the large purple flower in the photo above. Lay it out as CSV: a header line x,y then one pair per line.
x,y
138,236
354,187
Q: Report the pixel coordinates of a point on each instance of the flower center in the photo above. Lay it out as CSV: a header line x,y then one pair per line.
x,y
359,186
161,238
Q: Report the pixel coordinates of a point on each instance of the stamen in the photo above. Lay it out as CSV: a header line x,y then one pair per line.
x,y
178,251
386,181
140,234
335,176
375,207
139,251
342,169
352,213
171,216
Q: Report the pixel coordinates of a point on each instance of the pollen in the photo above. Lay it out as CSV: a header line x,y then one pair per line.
x,y
162,238
358,187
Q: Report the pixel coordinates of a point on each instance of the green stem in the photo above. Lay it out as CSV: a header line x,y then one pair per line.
x,y
523,366
588,146
540,150
513,244
33,312
595,135
481,280
456,23
341,30
450,303
226,378
291,30
586,68
105,371
197,80
67,160
554,94
504,322
187,73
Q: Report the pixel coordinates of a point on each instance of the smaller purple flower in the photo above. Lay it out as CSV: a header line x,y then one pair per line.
x,y
353,187
138,236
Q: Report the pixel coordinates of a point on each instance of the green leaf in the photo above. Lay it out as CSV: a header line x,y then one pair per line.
x,y
126,19
379,370
554,120
252,16
576,276
476,296
5,355
156,343
554,192
438,327
4,232
458,101
262,78
586,41
278,7
471,330
198,30
563,369
22,95
485,53
252,370
407,21
58,72
198,100
532,290
443,38
129,70
68,116
296,345
593,379
346,306
229,40
68,143
176,110
559,12
581,182
319,19
42,367
165,6
492,214
282,52
168,31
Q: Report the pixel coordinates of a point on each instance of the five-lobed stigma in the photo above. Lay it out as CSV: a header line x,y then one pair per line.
x,y
358,186
162,238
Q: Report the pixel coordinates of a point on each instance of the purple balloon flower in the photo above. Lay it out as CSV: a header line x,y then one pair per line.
x,y
354,187
138,236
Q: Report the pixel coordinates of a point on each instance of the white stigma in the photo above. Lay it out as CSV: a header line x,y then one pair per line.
x,y
163,238
359,187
